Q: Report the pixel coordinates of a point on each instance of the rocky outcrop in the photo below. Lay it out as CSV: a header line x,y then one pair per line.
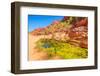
x,y
76,33
79,34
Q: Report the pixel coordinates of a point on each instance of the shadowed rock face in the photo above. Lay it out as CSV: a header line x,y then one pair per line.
x,y
79,34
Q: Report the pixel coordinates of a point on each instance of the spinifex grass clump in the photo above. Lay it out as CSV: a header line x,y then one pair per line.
x,y
61,49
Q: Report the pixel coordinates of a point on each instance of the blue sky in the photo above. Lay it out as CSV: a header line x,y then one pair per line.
x,y
38,21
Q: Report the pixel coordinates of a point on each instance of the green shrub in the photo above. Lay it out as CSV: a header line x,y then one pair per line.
x,y
62,49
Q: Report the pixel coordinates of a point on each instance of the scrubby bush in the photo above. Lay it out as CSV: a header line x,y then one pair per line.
x,y
62,49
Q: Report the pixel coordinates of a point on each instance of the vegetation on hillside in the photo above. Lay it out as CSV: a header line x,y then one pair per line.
x,y
61,49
